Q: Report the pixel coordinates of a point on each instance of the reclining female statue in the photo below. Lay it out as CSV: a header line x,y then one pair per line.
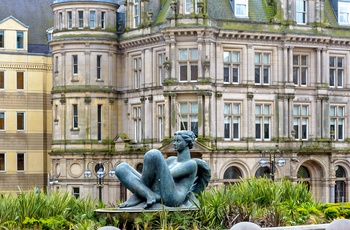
x,y
168,181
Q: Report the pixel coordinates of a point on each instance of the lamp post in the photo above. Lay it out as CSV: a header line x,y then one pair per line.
x,y
280,162
100,170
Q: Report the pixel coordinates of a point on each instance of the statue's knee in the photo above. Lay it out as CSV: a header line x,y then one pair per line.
x,y
153,154
120,168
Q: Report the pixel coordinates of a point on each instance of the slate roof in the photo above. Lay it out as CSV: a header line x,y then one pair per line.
x,y
37,14
60,1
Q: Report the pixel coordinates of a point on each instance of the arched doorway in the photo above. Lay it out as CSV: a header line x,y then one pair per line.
x,y
340,194
304,176
232,175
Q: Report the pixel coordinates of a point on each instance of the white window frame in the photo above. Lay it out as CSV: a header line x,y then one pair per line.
x,y
75,116
160,67
301,117
137,122
262,68
60,20
80,19
92,19
263,116
20,40
300,69
232,67
187,6
301,12
189,112
75,65
23,121
24,162
69,19
4,154
232,120
99,67
3,117
160,120
188,58
103,20
136,9
337,121
137,72
2,80
2,39
241,8
99,121
336,71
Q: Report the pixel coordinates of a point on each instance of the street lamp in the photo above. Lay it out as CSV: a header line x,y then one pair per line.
x,y
280,162
100,169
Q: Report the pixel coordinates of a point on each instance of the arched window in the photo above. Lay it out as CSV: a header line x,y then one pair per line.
x,y
139,167
340,194
232,175
304,176
263,172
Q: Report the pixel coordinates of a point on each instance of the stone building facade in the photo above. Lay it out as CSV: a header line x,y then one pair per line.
x,y
252,79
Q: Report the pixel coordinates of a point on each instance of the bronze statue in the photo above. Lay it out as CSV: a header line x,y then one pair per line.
x,y
168,181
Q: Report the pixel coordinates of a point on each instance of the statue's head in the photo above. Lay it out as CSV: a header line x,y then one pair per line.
x,y
188,136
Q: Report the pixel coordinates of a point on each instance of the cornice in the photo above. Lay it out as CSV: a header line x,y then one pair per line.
x,y
33,66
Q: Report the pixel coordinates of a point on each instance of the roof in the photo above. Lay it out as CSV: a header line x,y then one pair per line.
x,y
36,14
11,17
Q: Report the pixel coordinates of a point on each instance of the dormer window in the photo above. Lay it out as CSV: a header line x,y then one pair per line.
x,y
343,11
20,40
2,39
241,8
300,11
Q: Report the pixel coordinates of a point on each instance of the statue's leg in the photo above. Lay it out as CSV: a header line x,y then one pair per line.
x,y
156,174
130,178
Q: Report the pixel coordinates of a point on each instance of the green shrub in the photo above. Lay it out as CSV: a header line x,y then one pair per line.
x,y
331,213
345,213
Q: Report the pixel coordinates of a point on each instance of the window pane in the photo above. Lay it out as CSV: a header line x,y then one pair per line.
x,y
227,122
194,107
2,120
266,58
2,80
183,108
2,161
257,58
227,109
296,110
332,111
236,108
340,111
182,55
20,80
226,74
193,54
235,74
235,57
2,39
304,110
19,40
183,73
194,72
332,61
257,75
266,109
226,56
258,109
20,121
20,161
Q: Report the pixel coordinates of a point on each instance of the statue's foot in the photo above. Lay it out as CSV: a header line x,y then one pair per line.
x,y
151,200
132,201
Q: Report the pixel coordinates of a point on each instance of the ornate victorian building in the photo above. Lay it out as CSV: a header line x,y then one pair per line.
x,y
244,75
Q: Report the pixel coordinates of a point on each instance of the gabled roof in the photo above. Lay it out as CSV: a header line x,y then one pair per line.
x,y
15,19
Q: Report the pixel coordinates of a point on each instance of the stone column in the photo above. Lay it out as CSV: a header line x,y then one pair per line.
x,y
201,116
250,63
207,105
290,66
200,50
282,131
318,66
250,116
325,66
87,65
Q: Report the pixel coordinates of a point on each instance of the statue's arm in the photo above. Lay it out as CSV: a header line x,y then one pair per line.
x,y
184,169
